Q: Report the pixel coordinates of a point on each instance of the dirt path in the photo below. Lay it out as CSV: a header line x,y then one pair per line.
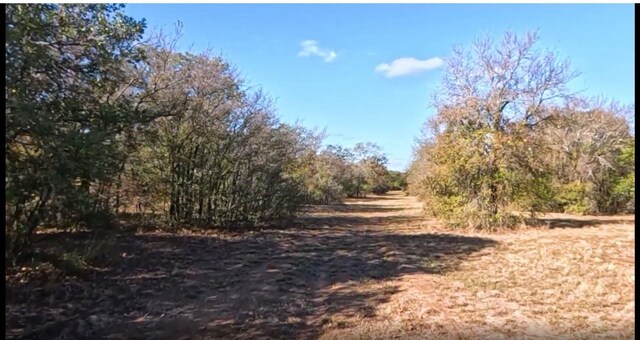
x,y
371,268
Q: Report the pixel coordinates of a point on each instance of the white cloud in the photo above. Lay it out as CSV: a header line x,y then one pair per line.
x,y
310,47
405,66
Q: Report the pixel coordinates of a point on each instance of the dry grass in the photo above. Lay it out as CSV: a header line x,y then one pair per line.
x,y
572,283
368,269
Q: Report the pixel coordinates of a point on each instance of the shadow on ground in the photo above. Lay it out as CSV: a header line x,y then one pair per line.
x,y
392,196
356,208
559,223
283,283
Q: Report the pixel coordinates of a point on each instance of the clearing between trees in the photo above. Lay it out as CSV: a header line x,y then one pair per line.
x,y
371,268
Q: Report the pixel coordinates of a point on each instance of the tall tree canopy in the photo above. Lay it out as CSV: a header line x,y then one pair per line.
x,y
479,161
65,67
101,122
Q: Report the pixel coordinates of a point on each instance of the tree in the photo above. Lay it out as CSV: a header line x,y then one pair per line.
x,y
219,155
398,180
371,168
477,163
338,172
65,69
581,148
100,122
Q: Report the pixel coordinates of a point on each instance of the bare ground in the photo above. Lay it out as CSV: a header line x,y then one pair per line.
x,y
369,269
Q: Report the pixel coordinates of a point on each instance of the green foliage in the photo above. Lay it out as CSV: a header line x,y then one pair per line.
x,y
465,185
221,166
624,183
503,142
65,65
573,197
398,180
338,172
99,122
540,195
323,178
610,190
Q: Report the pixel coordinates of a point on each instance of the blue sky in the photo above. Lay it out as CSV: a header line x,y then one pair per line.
x,y
318,61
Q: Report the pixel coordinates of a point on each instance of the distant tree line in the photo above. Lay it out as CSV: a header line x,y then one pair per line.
x,y
100,121
509,137
339,172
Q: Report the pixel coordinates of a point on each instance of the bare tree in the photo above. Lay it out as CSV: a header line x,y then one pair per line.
x,y
581,147
491,97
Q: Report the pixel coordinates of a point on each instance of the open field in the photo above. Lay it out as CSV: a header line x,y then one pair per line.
x,y
369,269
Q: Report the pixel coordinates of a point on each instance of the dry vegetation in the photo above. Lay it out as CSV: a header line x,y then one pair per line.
x,y
100,119
572,280
369,269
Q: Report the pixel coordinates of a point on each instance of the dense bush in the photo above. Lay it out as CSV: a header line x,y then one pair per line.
x,y
509,137
398,180
100,122
337,172
65,68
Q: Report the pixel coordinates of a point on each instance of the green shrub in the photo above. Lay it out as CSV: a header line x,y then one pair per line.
x,y
573,198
